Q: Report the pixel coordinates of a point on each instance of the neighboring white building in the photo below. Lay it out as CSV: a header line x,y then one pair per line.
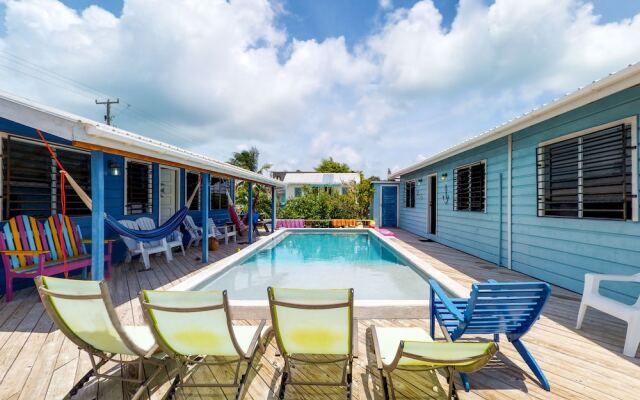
x,y
330,182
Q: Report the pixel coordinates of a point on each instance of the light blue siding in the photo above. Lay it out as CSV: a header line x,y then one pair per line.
x,y
563,250
476,233
558,250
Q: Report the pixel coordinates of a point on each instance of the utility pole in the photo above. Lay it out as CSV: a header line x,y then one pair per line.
x,y
108,103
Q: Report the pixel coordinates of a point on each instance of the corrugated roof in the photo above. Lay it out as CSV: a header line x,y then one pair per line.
x,y
321,178
614,82
75,128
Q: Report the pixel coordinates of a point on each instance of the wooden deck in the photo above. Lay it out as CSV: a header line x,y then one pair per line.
x,y
37,362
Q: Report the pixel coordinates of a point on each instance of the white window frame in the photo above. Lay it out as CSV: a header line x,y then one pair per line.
x,y
486,189
415,194
127,160
211,177
633,121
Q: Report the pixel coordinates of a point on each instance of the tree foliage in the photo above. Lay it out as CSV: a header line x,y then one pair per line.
x,y
320,205
330,165
250,160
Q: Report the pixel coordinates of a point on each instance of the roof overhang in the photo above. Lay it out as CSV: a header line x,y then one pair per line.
x,y
597,90
86,133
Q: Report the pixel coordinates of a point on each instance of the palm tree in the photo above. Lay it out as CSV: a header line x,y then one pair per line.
x,y
249,159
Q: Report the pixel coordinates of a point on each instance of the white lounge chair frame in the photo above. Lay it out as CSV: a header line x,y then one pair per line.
x,y
99,357
174,239
143,249
194,361
195,231
591,297
222,232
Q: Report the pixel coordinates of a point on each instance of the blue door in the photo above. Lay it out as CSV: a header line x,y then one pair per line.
x,y
389,206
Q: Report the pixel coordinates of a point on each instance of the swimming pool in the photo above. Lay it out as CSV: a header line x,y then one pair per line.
x,y
322,259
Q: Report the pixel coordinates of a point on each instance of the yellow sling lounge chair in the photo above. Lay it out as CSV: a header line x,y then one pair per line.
x,y
413,349
192,325
313,322
83,311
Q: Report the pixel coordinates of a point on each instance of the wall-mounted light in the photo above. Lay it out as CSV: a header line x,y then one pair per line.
x,y
419,181
443,177
114,168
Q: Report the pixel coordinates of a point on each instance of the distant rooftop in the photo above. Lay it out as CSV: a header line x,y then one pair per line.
x,y
318,178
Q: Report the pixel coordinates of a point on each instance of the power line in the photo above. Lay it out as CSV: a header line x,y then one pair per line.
x,y
28,68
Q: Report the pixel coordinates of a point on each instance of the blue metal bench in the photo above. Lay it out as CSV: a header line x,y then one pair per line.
x,y
492,308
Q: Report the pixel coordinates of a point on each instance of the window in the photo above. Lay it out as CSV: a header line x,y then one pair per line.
x,y
297,192
469,187
410,194
345,190
31,179
138,187
587,175
79,165
219,188
191,183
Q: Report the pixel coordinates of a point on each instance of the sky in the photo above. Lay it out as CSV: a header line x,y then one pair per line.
x,y
378,84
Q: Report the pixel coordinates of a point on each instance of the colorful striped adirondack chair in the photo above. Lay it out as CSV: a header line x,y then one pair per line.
x,y
29,248
493,307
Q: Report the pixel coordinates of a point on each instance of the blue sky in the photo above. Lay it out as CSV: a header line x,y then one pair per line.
x,y
375,83
313,19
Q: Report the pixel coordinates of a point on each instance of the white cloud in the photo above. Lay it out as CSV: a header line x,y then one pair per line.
x,y
385,4
226,74
535,46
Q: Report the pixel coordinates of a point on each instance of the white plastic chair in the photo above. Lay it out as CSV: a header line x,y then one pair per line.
x,y
174,239
629,313
223,232
143,249
195,232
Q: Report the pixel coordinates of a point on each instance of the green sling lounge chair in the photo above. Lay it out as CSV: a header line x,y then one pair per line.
x,y
313,322
83,311
413,349
192,325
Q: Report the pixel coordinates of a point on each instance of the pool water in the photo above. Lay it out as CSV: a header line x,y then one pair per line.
x,y
324,260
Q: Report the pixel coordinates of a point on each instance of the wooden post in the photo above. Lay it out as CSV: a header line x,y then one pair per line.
x,y
250,213
204,208
97,215
273,208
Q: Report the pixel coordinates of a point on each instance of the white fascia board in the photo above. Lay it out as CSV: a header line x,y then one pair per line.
x,y
72,127
597,90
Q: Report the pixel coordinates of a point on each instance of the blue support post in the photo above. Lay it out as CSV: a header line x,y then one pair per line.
x,y
250,213
204,208
97,215
273,208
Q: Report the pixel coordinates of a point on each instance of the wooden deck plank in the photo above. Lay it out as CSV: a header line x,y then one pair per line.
x,y
37,362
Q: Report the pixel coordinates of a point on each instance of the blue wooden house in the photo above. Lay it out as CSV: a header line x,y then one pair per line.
x,y
552,194
127,175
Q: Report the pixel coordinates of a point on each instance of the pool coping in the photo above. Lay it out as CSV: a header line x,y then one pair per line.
x,y
258,309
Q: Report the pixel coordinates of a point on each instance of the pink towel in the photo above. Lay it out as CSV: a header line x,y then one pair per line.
x,y
386,232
